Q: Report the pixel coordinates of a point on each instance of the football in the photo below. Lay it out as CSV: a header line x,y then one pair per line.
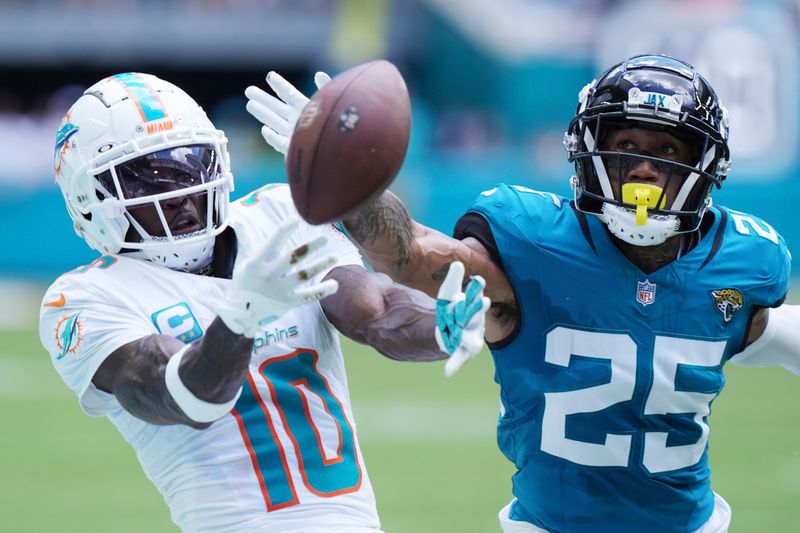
x,y
349,141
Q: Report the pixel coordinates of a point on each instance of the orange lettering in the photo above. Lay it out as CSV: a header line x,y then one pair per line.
x,y
160,126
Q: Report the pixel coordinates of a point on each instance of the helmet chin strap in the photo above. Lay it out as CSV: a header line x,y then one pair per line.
x,y
639,227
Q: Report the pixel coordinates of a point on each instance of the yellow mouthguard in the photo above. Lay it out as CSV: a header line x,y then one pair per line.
x,y
643,196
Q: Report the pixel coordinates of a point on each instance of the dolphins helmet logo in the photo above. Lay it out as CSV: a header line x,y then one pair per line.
x,y
62,142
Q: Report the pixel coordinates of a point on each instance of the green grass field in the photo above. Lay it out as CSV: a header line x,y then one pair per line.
x,y
429,445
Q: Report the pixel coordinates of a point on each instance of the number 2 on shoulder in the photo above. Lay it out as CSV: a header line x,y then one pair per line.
x,y
744,223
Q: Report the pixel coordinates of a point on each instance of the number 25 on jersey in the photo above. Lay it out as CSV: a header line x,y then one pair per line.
x,y
670,355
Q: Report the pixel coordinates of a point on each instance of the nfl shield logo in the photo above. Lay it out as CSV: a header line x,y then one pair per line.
x,y
646,292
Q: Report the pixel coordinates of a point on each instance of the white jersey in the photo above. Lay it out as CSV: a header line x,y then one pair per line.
x,y
287,457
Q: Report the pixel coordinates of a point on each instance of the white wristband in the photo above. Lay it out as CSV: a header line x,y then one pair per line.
x,y
195,408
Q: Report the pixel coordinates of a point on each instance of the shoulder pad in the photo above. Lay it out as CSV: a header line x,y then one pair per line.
x,y
762,253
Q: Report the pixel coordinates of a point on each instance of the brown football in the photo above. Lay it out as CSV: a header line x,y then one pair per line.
x,y
349,142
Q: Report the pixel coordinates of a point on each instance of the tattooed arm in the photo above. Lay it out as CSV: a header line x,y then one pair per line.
x,y
213,368
397,321
418,256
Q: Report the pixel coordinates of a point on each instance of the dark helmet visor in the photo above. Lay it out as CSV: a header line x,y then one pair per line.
x,y
164,171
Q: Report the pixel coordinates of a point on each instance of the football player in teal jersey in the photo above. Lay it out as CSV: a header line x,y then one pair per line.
x,y
613,312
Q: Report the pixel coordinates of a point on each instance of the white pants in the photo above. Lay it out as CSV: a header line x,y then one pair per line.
x,y
718,523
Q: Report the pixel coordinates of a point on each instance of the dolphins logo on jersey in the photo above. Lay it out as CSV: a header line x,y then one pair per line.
x,y
68,335
727,302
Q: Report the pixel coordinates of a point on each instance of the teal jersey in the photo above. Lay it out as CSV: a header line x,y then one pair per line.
x,y
607,383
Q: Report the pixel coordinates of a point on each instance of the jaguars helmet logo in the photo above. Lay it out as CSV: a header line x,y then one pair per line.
x,y
727,302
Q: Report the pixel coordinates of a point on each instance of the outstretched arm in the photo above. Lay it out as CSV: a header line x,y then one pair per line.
x,y
773,339
418,256
213,368
407,251
163,381
370,309
405,324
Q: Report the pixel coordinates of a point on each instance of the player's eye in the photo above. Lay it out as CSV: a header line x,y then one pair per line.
x,y
188,180
626,145
669,149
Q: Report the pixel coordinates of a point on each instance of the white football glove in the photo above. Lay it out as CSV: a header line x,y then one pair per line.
x,y
460,317
273,281
279,115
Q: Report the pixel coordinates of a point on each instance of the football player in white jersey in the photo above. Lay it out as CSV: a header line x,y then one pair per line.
x,y
207,330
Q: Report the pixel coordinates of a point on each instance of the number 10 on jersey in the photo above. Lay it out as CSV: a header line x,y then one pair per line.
x,y
323,442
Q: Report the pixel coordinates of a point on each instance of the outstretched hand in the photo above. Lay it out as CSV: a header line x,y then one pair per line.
x,y
272,282
460,317
279,114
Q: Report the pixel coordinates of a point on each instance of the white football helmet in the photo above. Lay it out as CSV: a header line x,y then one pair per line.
x,y
134,140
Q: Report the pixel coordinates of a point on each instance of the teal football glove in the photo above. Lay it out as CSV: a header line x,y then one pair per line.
x,y
460,317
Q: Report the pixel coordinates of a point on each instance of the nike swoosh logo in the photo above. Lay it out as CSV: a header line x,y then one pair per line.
x,y
60,302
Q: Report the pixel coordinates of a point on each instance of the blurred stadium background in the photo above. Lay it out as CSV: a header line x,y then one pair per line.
x,y
494,84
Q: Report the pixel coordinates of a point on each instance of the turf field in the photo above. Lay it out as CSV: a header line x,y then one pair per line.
x,y
428,442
